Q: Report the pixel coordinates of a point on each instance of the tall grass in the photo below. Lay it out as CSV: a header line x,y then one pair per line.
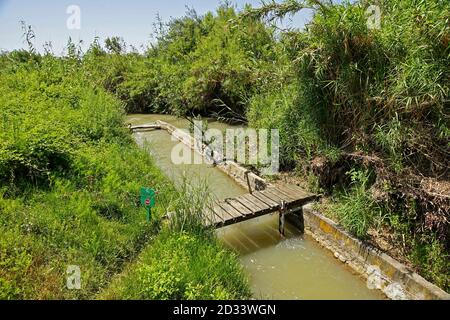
x,y
190,210
356,210
182,265
70,177
185,261
378,93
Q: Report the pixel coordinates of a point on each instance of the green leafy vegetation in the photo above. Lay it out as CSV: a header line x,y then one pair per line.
x,y
70,177
200,64
433,260
344,97
182,266
363,115
185,261
356,210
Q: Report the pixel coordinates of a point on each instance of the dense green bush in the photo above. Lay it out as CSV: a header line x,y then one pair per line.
x,y
203,64
356,210
433,260
69,180
380,90
185,261
90,219
46,114
182,266
69,183
351,96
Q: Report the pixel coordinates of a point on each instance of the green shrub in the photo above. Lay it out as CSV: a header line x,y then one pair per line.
x,y
356,210
182,266
70,177
69,182
433,261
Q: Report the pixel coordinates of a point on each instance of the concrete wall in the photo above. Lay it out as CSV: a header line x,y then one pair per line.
x,y
241,175
382,271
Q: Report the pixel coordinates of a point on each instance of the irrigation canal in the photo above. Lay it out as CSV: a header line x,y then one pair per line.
x,y
290,267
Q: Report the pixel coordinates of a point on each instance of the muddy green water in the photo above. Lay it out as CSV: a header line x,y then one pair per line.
x,y
292,268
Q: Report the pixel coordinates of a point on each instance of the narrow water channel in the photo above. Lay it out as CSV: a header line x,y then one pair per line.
x,y
292,268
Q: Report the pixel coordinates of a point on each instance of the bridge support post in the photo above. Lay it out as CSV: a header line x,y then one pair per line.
x,y
248,181
282,216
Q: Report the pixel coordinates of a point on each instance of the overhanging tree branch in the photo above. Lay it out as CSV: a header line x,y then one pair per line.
x,y
271,10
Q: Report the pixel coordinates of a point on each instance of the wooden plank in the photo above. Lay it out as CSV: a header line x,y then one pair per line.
x,y
207,221
212,219
255,202
290,192
265,209
273,196
286,197
304,195
298,190
260,196
219,218
215,221
244,207
250,206
223,213
243,210
230,210
262,205
145,126
274,202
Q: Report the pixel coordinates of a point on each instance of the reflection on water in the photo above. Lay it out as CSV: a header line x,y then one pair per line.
x,y
292,268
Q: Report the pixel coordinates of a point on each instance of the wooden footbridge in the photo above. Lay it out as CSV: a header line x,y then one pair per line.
x,y
280,198
268,199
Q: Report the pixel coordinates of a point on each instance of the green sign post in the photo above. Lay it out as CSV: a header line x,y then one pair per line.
x,y
148,200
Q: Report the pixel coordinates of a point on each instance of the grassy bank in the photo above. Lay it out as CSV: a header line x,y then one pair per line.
x,y
181,265
185,261
70,176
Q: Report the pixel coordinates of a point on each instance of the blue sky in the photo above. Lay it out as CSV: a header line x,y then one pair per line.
x,y
132,19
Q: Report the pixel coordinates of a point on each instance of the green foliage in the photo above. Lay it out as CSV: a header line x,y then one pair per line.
x,y
334,88
182,266
358,86
391,138
90,219
69,182
202,64
430,256
356,210
45,114
340,88
189,213
425,250
337,84
287,110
